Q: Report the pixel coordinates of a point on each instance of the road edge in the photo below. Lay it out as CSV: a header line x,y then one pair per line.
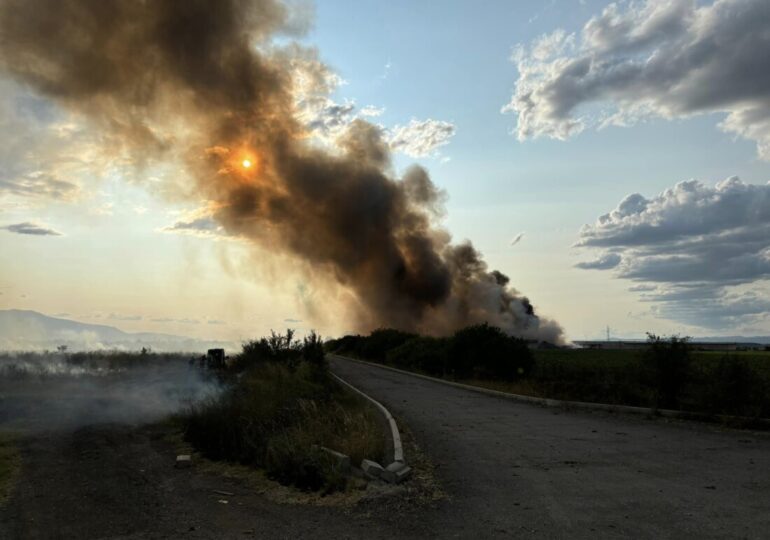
x,y
583,405
397,470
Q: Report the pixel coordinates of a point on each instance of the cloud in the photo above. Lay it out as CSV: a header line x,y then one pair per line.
x,y
712,308
660,58
371,111
182,321
38,184
420,138
292,321
46,154
328,120
701,249
517,239
121,317
199,222
386,70
30,228
604,262
642,288
690,233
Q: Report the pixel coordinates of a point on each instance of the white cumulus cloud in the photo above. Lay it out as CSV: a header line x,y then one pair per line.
x,y
701,252
658,58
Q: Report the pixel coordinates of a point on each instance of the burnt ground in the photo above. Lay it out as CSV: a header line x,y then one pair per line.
x,y
510,470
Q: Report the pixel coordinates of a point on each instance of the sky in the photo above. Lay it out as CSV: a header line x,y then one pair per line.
x,y
611,159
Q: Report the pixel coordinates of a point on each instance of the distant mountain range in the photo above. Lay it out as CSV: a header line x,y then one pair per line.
x,y
30,330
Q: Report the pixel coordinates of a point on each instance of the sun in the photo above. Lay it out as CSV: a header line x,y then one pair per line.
x,y
246,163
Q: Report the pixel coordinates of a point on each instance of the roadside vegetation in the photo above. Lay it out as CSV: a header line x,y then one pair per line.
x,y
666,374
480,351
279,407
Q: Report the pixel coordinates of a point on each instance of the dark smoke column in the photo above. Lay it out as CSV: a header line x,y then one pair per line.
x,y
170,79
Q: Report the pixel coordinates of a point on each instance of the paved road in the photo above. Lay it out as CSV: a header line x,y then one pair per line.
x,y
514,469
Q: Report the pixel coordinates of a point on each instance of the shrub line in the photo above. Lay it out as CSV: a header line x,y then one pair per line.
x,y
398,449
585,405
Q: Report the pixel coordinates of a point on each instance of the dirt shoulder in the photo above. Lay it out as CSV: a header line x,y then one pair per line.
x,y
116,481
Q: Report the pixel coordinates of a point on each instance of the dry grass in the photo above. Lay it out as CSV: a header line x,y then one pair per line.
x,y
275,418
10,465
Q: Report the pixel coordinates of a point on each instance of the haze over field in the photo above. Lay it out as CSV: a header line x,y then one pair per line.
x,y
32,331
217,169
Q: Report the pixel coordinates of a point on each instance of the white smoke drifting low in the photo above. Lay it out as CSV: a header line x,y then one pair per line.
x,y
43,392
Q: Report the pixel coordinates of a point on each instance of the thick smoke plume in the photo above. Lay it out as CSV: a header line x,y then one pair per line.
x,y
202,80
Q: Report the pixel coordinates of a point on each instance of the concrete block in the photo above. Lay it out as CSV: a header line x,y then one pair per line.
x,y
402,474
341,460
183,461
372,469
396,472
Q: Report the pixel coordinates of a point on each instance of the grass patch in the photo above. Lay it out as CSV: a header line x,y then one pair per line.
x,y
280,406
10,465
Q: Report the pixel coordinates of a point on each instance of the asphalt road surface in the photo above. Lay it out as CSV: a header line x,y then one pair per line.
x,y
520,470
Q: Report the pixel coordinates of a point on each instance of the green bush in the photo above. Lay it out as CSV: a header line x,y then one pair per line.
x,y
667,368
427,354
486,352
480,351
349,345
732,387
274,348
376,346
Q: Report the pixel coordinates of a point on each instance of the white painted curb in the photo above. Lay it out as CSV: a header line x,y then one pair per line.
x,y
398,448
547,402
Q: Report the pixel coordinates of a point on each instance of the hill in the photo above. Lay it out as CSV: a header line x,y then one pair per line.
x,y
30,330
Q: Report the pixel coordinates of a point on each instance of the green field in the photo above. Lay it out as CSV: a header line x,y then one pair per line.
x,y
715,382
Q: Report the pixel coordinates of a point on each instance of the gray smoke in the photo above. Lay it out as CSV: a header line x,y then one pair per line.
x,y
55,391
200,79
